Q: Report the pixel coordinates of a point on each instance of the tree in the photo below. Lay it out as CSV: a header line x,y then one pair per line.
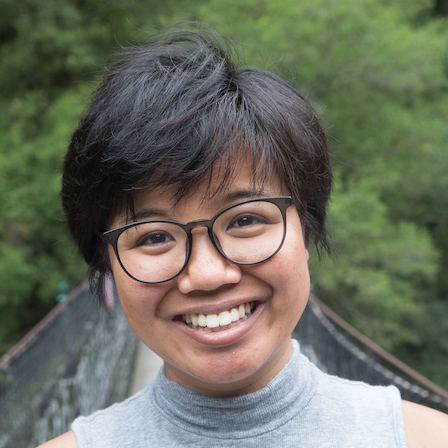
x,y
35,250
382,268
441,7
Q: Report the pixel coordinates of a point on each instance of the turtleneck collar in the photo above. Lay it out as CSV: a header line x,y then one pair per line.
x,y
246,415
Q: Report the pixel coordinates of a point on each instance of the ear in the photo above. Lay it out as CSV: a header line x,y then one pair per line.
x,y
307,255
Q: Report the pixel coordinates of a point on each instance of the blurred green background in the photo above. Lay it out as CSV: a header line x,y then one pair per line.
x,y
377,72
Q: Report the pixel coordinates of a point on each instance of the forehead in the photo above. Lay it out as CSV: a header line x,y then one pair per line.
x,y
212,193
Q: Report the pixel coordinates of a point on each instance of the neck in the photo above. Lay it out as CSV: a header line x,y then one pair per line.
x,y
251,383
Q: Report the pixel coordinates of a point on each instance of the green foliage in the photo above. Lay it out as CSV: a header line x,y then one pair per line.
x,y
441,7
53,44
35,251
384,268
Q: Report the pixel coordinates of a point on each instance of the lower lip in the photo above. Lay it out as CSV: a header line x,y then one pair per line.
x,y
223,337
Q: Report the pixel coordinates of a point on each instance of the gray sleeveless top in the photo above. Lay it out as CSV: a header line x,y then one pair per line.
x,y
300,407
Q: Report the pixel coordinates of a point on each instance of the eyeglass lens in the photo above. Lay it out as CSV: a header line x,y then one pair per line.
x,y
247,233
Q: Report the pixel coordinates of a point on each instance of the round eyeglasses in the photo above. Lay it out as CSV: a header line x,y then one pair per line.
x,y
157,250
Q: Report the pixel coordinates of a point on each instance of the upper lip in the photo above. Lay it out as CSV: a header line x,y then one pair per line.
x,y
217,308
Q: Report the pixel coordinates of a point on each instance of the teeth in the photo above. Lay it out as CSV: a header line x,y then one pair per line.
x,y
212,321
202,320
224,318
227,319
234,314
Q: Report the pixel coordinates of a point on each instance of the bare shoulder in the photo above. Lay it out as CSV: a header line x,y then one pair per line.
x,y
67,440
425,426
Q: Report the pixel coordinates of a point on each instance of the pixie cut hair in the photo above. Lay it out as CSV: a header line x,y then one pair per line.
x,y
166,113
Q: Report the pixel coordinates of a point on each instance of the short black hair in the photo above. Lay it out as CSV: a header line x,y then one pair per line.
x,y
165,112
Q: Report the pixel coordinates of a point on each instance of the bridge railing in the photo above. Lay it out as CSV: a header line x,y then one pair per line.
x,y
340,350
77,360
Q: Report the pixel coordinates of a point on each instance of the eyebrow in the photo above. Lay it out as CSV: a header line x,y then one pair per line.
x,y
240,195
226,200
144,214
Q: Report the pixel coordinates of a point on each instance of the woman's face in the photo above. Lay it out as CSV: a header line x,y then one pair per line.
x,y
232,361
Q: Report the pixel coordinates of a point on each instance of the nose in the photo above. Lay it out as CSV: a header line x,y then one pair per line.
x,y
207,269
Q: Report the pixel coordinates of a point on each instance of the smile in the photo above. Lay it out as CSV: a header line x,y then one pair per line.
x,y
219,322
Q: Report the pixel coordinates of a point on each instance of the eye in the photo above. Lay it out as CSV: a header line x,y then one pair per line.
x,y
247,220
156,239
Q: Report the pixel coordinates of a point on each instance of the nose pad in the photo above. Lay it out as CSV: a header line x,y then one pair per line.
x,y
207,269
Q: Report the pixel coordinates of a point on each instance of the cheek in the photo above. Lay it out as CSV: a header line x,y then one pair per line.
x,y
290,266
139,301
290,287
140,308
288,276
294,290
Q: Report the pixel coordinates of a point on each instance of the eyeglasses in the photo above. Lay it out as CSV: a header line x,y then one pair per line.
x,y
245,233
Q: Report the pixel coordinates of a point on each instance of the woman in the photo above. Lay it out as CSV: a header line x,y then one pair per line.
x,y
198,186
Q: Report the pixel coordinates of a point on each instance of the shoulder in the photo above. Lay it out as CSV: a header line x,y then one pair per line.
x,y
425,426
67,440
89,427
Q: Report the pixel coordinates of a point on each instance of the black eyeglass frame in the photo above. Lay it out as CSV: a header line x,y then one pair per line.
x,y
111,236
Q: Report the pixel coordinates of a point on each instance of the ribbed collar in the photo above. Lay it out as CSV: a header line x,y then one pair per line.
x,y
244,416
